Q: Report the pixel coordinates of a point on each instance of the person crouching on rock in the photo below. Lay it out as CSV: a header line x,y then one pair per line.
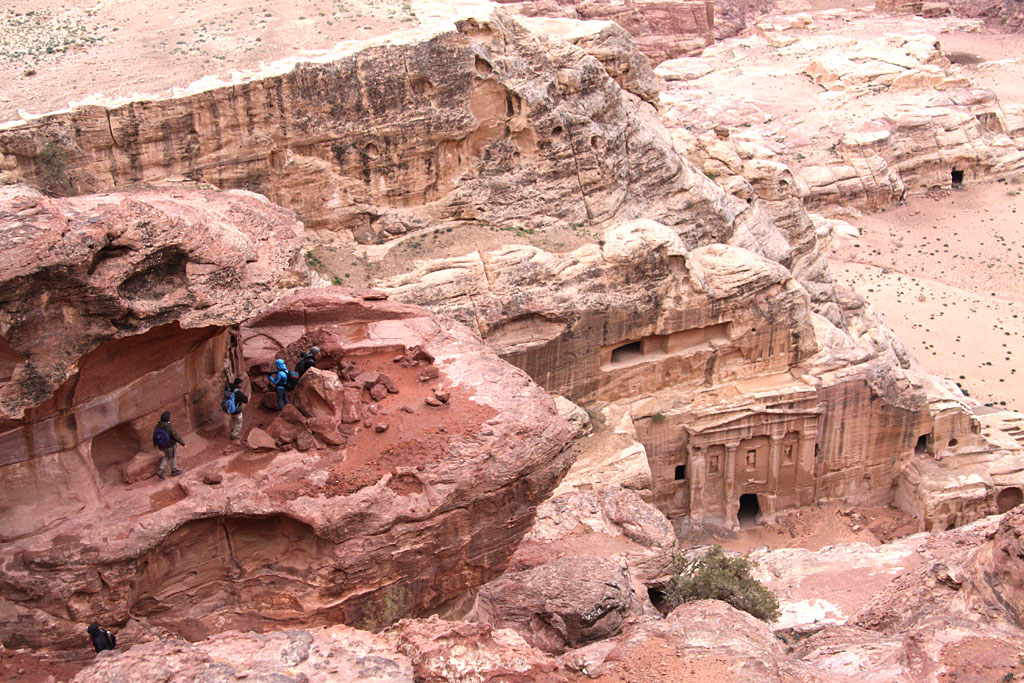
x,y
232,402
307,360
279,380
164,438
102,639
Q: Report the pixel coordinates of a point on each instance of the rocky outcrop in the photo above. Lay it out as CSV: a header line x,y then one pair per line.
x,y
707,639
338,653
561,604
870,148
919,608
609,522
444,651
336,532
662,29
483,105
83,271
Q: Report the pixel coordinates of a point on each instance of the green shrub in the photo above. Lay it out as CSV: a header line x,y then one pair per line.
x,y
717,576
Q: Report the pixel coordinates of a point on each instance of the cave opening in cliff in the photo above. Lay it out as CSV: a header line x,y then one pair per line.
x,y
957,178
921,448
749,514
1009,498
112,449
680,472
628,352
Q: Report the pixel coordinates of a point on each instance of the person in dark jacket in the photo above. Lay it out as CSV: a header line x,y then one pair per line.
x,y
307,360
232,403
279,380
102,639
164,437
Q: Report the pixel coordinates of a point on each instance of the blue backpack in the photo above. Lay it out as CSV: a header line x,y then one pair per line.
x,y
161,438
228,404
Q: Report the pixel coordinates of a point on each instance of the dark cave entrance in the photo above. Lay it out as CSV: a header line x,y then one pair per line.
x,y
956,177
921,448
749,514
628,352
1009,498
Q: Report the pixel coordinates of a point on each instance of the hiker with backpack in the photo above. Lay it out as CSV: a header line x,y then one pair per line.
x,y
282,380
307,360
102,639
232,402
164,438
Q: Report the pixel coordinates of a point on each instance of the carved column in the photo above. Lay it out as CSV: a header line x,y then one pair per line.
x,y
732,502
697,474
774,461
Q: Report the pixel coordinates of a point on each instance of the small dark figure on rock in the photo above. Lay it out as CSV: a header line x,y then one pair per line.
x,y
232,403
282,380
164,438
307,360
102,639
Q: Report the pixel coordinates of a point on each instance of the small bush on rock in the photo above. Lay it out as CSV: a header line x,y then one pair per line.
x,y
717,576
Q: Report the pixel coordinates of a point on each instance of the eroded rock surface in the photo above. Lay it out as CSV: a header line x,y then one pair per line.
x,y
444,651
336,532
561,604
338,653
481,106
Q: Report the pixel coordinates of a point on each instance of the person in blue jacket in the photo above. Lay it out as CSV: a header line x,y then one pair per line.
x,y
279,380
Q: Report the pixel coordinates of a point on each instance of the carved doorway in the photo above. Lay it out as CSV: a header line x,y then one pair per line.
x,y
749,514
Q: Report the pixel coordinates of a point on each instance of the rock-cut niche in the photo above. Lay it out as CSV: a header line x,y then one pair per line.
x,y
112,449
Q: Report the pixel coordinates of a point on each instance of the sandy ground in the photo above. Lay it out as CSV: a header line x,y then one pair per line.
x,y
812,528
947,274
57,51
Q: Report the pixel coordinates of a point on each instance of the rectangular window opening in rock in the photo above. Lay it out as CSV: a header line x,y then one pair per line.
x,y
751,459
680,472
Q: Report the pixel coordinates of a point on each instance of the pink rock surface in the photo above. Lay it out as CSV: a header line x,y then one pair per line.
x,y
444,651
338,653
383,526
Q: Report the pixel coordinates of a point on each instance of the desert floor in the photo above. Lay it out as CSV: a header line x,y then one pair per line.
x,y
946,272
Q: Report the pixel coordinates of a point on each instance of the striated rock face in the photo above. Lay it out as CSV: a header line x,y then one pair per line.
x,y
662,29
338,653
481,106
444,651
326,531
115,308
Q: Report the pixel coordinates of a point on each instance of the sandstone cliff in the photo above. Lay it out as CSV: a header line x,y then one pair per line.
x,y
411,440
487,123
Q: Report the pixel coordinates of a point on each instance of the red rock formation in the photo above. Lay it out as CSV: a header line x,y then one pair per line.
x,y
561,604
338,528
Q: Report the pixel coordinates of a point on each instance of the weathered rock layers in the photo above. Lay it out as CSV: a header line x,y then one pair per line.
x,y
346,521
358,147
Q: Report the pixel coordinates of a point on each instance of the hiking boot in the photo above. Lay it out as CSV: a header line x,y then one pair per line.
x,y
161,475
175,473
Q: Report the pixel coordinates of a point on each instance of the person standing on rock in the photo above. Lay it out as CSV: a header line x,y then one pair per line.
x,y
279,380
102,639
164,437
307,360
232,403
